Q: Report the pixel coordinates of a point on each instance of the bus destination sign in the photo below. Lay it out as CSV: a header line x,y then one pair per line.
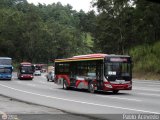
x,y
118,59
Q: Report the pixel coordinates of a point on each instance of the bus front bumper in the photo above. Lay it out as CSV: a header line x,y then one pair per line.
x,y
5,77
111,87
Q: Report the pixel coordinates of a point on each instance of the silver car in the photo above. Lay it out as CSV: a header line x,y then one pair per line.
x,y
37,73
50,76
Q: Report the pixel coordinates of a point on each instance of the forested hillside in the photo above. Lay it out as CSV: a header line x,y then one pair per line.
x,y
42,33
45,32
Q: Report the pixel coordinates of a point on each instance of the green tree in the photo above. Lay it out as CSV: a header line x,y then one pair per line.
x,y
114,26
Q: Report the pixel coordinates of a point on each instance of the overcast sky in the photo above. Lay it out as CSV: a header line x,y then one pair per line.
x,y
76,4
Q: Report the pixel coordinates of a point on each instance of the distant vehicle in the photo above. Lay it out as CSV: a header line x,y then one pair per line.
x,y
37,73
41,67
43,70
95,72
25,71
50,76
6,68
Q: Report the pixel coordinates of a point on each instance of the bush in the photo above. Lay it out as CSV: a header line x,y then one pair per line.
x,y
146,58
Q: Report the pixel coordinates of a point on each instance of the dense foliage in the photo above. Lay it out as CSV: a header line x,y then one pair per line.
x,y
42,33
45,32
123,24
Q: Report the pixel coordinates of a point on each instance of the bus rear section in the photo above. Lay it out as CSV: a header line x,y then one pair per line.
x,y
6,72
95,72
25,71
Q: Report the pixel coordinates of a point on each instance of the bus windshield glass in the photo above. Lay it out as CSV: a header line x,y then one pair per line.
x,y
5,61
26,70
5,70
118,69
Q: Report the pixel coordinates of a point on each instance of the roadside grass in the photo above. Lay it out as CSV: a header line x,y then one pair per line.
x,y
146,76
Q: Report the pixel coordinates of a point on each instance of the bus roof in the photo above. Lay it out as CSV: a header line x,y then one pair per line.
x,y
98,56
90,55
25,63
83,57
5,58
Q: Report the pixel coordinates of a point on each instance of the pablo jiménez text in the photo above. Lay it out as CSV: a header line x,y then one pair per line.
x,y
141,117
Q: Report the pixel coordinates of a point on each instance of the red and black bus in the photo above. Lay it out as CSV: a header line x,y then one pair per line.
x,y
25,71
95,72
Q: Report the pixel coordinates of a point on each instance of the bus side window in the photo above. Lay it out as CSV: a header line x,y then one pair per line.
x,y
92,71
84,72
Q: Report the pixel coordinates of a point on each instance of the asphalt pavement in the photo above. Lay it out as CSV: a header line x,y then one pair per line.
x,y
13,109
142,100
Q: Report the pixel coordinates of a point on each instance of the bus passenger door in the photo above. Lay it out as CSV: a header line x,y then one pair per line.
x,y
99,75
73,67
72,80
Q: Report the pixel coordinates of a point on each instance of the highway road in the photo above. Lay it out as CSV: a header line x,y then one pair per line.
x,y
143,99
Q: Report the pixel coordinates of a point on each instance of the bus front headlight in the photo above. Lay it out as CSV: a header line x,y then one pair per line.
x,y
108,86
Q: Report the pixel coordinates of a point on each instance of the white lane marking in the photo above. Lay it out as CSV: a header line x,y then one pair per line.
x,y
146,89
149,82
82,102
147,94
153,85
121,98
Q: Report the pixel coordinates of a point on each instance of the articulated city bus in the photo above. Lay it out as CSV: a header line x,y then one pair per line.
x,y
6,68
95,72
25,71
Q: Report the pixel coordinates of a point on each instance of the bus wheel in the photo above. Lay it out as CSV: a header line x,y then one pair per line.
x,y
91,87
115,91
65,86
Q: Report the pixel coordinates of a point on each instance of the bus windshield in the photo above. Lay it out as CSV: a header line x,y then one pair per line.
x,y
118,69
5,70
26,70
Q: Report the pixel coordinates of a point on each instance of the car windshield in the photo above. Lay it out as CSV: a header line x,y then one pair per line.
x,y
117,69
